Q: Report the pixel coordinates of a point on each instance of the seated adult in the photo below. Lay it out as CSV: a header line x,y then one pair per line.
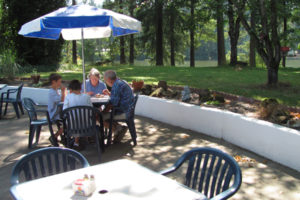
x,y
94,85
121,96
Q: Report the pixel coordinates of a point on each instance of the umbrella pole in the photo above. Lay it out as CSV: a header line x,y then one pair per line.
x,y
83,66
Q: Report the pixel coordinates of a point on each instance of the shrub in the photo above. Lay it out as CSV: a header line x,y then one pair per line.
x,y
8,65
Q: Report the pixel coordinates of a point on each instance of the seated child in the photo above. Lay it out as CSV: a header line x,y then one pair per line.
x,y
76,98
54,98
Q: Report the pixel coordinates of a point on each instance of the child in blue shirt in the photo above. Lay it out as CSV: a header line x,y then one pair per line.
x,y
54,98
76,98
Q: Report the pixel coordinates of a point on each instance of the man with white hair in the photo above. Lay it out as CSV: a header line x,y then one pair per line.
x,y
121,96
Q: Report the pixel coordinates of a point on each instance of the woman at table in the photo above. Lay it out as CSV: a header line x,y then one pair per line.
x,y
94,85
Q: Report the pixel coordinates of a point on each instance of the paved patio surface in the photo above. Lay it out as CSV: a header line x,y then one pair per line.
x,y
159,146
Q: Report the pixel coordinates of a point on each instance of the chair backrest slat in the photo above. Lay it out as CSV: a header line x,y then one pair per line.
x,y
209,174
197,170
27,172
42,166
221,178
45,162
203,172
189,171
56,161
71,163
227,179
215,175
65,163
34,168
49,164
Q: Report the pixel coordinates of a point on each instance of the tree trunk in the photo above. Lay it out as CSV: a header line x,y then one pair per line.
x,y
285,33
220,34
74,47
122,40
267,47
234,33
131,50
252,55
159,32
273,43
172,38
74,52
192,33
131,42
273,73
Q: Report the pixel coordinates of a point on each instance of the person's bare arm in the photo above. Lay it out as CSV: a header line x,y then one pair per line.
x,y
106,92
90,93
63,93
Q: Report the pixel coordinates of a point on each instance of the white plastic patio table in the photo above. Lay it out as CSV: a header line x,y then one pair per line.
x,y
123,180
104,99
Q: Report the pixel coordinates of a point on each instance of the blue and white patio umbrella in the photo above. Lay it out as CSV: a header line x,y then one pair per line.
x,y
80,22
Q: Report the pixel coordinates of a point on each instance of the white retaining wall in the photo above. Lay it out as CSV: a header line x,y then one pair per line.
x,y
272,141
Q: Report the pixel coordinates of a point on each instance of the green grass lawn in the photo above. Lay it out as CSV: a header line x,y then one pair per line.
x,y
198,63
246,82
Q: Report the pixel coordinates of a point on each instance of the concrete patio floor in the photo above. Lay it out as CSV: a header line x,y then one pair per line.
x,y
159,146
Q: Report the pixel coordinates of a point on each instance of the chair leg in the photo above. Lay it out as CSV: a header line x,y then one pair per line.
x,y
98,146
51,132
109,134
37,136
102,143
5,108
1,109
21,107
69,142
131,127
31,135
15,104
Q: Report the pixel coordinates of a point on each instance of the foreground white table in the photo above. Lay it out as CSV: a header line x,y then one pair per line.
x,y
123,179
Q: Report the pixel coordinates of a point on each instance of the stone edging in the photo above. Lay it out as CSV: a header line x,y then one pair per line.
x,y
237,98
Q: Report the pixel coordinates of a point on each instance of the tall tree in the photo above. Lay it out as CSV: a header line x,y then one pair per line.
x,y
74,47
234,31
159,32
284,33
172,39
171,14
252,53
131,42
28,50
220,33
266,36
192,33
122,39
174,29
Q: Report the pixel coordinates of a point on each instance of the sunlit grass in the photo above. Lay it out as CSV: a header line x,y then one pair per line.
x,y
249,82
